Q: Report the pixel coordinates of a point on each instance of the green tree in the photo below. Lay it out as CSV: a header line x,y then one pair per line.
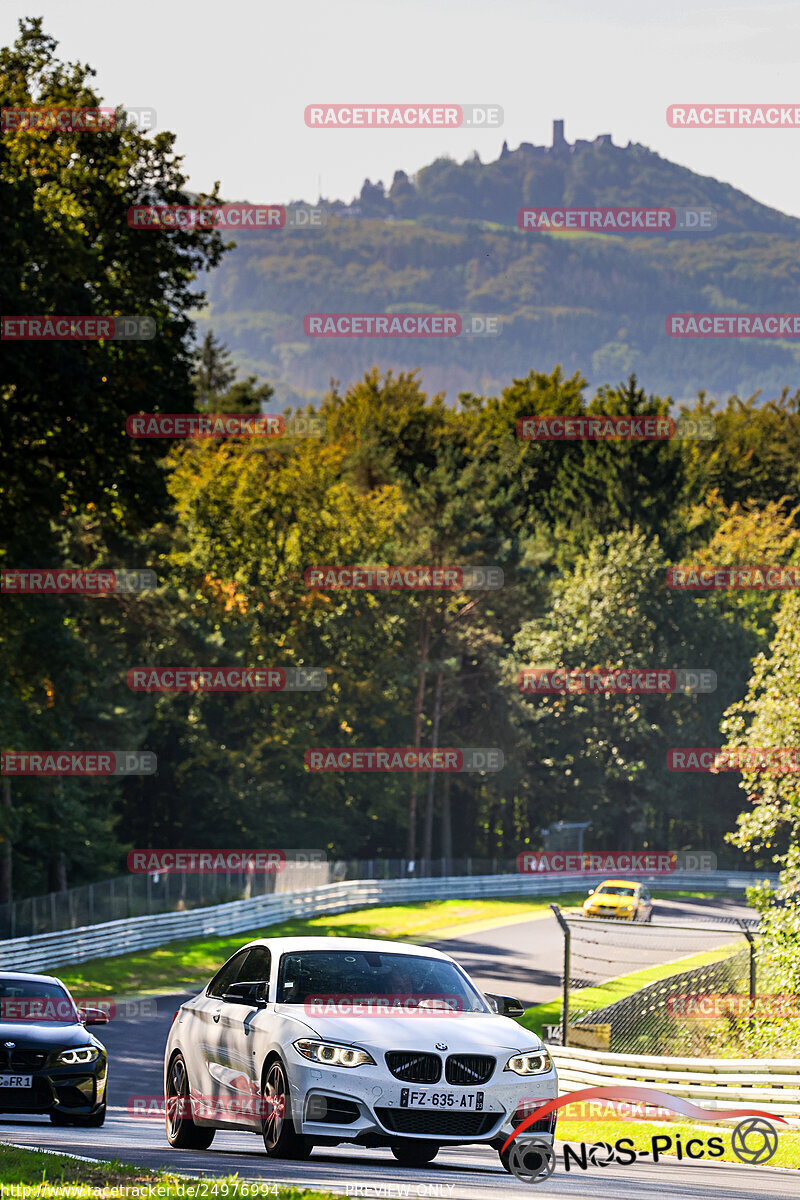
x,y
213,373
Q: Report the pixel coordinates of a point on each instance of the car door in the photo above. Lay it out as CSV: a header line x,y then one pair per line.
x,y
203,1044
237,1086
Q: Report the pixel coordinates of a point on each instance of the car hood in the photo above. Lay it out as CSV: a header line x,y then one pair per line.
x,y
463,1033
29,1035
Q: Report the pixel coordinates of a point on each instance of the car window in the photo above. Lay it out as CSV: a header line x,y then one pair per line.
x,y
616,891
35,1000
316,974
228,975
256,966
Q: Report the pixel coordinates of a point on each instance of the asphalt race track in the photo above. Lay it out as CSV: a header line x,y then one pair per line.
x,y
524,959
526,955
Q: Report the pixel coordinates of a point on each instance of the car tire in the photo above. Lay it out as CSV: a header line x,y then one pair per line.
x,y
649,918
182,1133
281,1140
415,1153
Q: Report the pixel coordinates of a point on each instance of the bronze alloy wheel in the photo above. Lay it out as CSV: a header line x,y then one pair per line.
x,y
280,1138
182,1133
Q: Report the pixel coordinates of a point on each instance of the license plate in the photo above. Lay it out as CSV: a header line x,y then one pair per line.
x,y
473,1101
16,1081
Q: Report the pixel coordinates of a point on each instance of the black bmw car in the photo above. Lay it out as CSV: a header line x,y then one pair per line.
x,y
49,1062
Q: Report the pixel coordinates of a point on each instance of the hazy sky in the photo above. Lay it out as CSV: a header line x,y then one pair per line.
x,y
232,79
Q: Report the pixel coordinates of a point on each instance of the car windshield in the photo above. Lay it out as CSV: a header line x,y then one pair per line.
x,y
29,1000
311,975
609,890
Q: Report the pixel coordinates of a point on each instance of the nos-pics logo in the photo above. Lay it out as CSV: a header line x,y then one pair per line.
x,y
532,1160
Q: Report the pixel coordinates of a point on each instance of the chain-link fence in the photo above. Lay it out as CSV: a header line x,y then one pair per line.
x,y
138,895
662,988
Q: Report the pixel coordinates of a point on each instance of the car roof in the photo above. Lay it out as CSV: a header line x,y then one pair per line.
x,y
25,977
284,945
620,883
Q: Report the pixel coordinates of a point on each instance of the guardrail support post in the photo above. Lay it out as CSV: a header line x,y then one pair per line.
x,y
567,967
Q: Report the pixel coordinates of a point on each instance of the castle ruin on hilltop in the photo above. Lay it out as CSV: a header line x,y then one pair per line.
x,y
560,146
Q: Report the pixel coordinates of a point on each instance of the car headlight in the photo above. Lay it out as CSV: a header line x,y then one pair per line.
x,y
85,1054
535,1062
333,1054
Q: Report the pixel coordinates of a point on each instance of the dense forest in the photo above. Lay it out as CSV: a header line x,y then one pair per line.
x,y
584,533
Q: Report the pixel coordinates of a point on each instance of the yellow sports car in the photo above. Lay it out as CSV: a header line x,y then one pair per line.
x,y
620,898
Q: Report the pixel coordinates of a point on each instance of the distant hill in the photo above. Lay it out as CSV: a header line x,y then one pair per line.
x,y
447,240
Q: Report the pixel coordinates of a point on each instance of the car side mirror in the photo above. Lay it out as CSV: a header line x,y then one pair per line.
x,y
93,1016
505,1006
251,993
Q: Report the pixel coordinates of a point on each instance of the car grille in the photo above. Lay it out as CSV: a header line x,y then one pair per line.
x,y
466,1069
36,1098
22,1060
445,1124
413,1066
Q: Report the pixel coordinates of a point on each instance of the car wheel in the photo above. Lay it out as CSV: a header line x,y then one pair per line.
x,y
649,917
281,1140
415,1153
182,1133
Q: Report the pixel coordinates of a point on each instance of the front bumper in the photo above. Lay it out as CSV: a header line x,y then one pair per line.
x,y
77,1090
610,914
363,1104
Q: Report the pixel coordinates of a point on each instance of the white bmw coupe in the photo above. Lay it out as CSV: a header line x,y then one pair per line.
x,y
312,1041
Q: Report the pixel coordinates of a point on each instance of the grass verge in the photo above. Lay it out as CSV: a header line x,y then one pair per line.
x,y
34,1173
179,965
589,999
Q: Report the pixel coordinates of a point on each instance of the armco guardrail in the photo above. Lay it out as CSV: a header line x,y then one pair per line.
x,y
716,1083
48,950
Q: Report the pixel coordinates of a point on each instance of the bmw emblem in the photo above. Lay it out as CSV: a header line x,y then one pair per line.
x,y
9,1045
441,1045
